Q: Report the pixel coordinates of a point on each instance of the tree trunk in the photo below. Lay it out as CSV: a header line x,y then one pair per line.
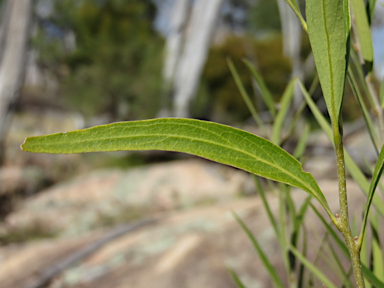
x,y
196,47
291,30
14,36
173,48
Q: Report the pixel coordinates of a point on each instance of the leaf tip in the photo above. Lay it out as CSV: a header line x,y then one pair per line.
x,y
22,146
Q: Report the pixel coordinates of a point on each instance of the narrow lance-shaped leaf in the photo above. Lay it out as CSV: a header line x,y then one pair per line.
x,y
328,35
210,140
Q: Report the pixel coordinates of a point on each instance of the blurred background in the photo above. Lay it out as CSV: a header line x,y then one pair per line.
x,y
72,64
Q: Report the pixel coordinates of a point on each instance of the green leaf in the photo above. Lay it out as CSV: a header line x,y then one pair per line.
x,y
311,267
267,207
371,10
302,145
266,263
210,140
362,81
353,169
363,32
370,127
372,188
327,32
296,9
245,96
265,93
236,278
377,253
382,93
286,100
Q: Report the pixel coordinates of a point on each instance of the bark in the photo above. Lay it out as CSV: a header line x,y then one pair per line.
x,y
179,18
14,36
291,30
196,47
173,48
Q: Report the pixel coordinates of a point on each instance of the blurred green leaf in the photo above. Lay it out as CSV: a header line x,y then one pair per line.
x,y
265,93
356,91
266,263
353,169
236,278
367,273
300,147
245,96
382,93
260,190
285,102
327,34
372,188
210,140
363,32
311,267
296,9
355,65
371,9
377,252
364,256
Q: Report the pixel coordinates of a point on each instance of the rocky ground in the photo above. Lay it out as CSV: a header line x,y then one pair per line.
x,y
159,225
187,242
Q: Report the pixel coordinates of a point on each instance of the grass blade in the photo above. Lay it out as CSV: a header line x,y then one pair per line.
x,y
266,263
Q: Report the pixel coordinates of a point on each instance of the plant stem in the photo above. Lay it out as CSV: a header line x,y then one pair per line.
x,y
343,219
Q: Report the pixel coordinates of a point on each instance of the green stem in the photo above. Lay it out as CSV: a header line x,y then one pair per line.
x,y
343,220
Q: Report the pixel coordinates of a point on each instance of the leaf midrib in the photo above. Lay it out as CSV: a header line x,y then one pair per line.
x,y
330,63
209,142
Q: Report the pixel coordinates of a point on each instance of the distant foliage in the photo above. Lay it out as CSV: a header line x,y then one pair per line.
x,y
219,93
116,65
